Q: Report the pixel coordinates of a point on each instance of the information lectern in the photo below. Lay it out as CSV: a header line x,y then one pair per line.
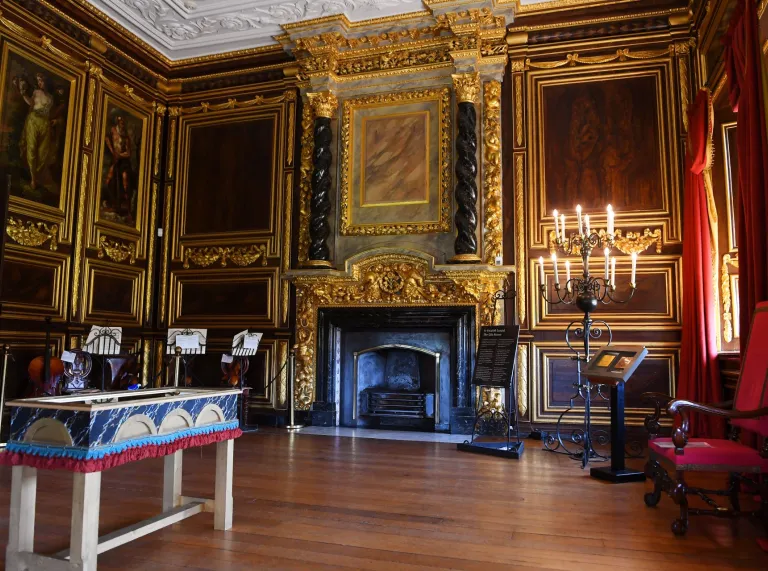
x,y
613,365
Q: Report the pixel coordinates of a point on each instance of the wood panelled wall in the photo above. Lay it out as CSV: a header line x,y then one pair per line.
x,y
595,123
189,224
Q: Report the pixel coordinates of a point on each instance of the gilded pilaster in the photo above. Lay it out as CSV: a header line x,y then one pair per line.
x,y
492,235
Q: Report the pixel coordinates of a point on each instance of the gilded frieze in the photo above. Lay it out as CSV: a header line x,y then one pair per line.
x,y
492,247
396,280
33,234
242,256
621,55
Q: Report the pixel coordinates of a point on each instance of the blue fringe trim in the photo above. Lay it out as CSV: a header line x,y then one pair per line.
x,y
102,451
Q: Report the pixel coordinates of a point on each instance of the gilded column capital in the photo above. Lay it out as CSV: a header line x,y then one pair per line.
x,y
467,87
324,104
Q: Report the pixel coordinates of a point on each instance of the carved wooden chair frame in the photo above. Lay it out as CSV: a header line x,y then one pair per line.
x,y
747,468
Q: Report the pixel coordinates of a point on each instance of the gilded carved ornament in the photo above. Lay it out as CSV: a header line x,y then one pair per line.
x,y
240,255
395,280
522,379
632,243
725,289
117,251
233,103
78,249
520,235
492,236
305,180
621,55
467,87
324,103
33,234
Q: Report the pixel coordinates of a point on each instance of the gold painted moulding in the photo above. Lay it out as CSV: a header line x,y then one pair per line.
x,y
385,280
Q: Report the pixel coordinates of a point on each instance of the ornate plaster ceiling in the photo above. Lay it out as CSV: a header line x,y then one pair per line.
x,y
182,29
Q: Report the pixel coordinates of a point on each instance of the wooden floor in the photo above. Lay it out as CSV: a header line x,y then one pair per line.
x,y
317,502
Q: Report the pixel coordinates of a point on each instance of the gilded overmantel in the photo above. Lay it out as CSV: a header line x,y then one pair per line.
x,y
384,69
385,279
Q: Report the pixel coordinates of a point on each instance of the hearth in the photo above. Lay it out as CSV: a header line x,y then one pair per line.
x,y
396,386
391,368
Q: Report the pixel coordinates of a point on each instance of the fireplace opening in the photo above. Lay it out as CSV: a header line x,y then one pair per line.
x,y
425,386
397,386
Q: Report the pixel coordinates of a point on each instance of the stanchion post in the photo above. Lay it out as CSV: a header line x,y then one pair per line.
x,y
177,358
291,394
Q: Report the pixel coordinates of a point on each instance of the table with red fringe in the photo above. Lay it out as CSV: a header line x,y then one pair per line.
x,y
89,433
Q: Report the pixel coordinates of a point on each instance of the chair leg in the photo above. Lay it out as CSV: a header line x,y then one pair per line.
x,y
679,493
654,472
734,485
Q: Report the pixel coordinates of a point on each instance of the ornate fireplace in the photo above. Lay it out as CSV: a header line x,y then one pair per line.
x,y
392,299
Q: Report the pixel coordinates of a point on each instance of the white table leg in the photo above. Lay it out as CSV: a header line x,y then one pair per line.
x,y
21,526
172,480
222,511
84,539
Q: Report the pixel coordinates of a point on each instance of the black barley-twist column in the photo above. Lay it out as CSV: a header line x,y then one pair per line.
x,y
467,88
324,105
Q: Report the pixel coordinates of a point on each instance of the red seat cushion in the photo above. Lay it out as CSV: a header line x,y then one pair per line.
x,y
717,456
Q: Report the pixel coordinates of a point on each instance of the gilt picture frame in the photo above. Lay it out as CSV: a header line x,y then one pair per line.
x,y
123,148
396,164
46,139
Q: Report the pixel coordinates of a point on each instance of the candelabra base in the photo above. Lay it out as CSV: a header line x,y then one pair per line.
x,y
624,476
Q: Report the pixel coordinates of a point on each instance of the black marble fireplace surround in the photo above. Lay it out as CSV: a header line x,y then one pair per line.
x,y
449,331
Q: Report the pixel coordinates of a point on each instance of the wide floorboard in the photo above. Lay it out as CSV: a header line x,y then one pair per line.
x,y
318,502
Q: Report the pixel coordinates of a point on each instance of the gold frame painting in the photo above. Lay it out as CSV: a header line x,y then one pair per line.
x,y
660,73
424,118
139,173
75,79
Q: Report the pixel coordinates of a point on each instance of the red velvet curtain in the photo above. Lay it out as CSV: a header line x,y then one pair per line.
x,y
744,68
699,371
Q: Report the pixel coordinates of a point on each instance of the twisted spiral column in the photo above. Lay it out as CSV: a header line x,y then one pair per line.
x,y
467,87
324,106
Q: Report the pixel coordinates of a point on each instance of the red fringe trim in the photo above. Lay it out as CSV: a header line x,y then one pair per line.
x,y
113,460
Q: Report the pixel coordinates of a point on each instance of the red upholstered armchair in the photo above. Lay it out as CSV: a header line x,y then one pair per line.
x,y
670,458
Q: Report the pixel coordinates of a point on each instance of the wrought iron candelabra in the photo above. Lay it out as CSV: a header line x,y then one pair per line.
x,y
587,293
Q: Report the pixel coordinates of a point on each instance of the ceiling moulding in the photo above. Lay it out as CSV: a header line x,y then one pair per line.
x,y
183,29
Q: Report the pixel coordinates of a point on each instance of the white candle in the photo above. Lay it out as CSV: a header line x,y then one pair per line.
x,y
568,275
613,273
557,226
632,282
610,220
607,254
578,215
554,264
541,270
586,224
562,225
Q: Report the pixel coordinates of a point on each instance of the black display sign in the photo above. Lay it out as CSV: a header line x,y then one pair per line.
x,y
496,356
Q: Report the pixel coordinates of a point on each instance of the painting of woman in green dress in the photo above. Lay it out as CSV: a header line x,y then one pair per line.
x,y
33,128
